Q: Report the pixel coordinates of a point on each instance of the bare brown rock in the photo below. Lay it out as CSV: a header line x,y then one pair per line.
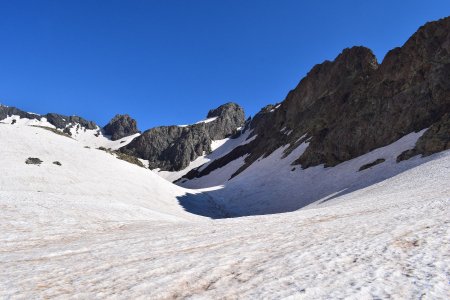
x,y
352,105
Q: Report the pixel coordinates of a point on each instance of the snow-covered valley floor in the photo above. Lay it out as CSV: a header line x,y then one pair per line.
x,y
58,239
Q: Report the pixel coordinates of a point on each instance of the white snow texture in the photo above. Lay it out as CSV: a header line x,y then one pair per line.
x,y
97,227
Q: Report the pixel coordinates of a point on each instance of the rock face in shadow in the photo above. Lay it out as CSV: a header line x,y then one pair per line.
x,y
352,105
435,139
172,148
121,126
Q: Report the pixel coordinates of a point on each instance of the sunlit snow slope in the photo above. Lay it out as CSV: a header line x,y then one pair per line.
x,y
273,184
88,137
97,227
89,185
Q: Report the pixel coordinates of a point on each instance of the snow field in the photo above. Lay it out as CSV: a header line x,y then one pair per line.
x,y
97,227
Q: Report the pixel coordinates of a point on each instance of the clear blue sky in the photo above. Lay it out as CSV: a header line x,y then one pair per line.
x,y
168,62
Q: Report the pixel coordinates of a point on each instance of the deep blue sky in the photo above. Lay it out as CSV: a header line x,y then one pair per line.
x,y
168,62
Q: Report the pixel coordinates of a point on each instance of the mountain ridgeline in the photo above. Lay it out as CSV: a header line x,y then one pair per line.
x,y
172,148
64,123
120,126
343,109
352,105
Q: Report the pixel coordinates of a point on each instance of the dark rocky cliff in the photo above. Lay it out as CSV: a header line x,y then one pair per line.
x,y
352,105
121,126
172,148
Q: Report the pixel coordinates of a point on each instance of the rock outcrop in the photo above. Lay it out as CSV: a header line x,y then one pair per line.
x,y
120,126
33,161
172,148
63,122
7,111
59,121
352,105
343,108
435,139
229,117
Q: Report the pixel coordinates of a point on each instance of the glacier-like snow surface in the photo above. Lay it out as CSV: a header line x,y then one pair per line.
x,y
97,227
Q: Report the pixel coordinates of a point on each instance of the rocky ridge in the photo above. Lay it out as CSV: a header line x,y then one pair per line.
x,y
352,105
172,148
7,111
64,123
343,108
120,126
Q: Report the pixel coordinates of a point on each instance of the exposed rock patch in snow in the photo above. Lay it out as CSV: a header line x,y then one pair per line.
x,y
95,139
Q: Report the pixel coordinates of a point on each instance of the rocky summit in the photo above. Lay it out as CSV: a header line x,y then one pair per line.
x,y
7,111
121,126
352,105
66,122
62,122
172,148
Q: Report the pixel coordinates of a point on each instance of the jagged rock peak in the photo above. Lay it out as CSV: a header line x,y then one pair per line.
x,y
121,126
57,120
229,108
61,121
229,117
172,148
349,106
358,58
